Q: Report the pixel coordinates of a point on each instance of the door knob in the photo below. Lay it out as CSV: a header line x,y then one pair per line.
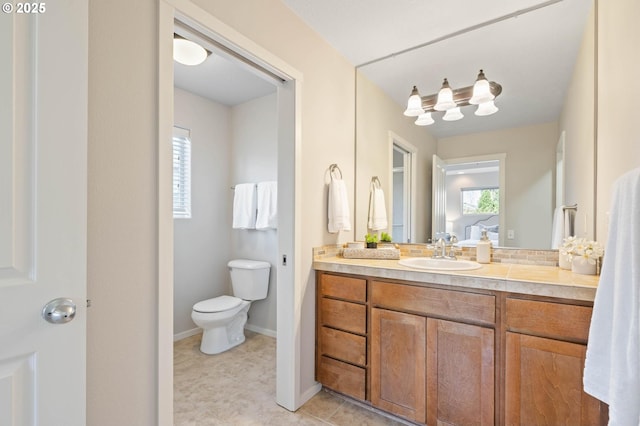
x,y
59,311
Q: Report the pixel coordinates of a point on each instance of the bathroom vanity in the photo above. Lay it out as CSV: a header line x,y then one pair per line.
x,y
504,344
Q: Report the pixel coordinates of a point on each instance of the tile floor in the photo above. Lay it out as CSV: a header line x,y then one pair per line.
x,y
238,387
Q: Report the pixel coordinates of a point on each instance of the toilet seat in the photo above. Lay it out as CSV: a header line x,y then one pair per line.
x,y
217,304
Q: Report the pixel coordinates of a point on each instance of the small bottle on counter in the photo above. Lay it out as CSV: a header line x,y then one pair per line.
x,y
483,249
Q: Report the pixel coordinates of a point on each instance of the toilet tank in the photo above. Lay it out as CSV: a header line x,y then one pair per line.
x,y
249,278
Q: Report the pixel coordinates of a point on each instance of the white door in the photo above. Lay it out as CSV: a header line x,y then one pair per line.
x,y
43,199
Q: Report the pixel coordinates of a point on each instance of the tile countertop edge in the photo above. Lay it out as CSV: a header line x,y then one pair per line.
x,y
529,280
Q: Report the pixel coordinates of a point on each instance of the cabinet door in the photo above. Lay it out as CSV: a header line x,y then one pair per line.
x,y
543,380
398,363
460,374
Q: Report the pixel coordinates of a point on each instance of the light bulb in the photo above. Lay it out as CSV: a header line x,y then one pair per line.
x,y
414,104
424,119
445,98
188,52
453,114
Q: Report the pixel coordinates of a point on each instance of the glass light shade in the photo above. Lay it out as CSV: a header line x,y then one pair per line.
x,y
481,91
486,108
424,119
187,52
453,114
445,98
414,104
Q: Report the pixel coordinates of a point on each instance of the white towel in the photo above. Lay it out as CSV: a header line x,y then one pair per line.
x,y
267,194
338,207
377,210
244,206
612,367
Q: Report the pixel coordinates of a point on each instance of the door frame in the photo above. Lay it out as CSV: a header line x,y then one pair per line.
x,y
289,276
409,184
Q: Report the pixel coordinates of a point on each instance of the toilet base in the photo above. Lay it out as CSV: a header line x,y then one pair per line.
x,y
224,337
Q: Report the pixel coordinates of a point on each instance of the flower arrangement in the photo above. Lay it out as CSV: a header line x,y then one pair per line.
x,y
590,251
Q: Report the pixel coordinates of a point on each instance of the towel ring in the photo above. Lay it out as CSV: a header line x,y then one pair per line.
x,y
376,182
333,168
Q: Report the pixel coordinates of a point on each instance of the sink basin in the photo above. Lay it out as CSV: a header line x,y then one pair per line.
x,y
439,264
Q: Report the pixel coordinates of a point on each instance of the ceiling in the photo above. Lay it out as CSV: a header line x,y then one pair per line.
x,y
528,46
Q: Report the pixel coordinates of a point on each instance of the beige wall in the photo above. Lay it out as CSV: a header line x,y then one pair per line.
x,y
577,121
377,115
530,165
618,93
122,224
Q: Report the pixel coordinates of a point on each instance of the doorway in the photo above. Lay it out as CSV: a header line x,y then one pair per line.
x,y
454,177
403,171
288,175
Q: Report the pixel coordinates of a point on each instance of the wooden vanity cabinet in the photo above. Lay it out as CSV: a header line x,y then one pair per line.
x,y
545,354
341,334
433,370
440,356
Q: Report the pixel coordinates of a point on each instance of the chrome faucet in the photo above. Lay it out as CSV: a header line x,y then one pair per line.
x,y
440,249
452,248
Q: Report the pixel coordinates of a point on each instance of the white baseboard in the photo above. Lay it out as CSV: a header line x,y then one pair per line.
x,y
186,334
260,330
198,330
309,393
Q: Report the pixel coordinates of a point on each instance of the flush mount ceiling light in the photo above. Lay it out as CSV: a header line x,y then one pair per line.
x,y
482,93
188,52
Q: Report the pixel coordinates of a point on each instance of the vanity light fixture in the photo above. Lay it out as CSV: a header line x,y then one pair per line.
x,y
188,52
482,94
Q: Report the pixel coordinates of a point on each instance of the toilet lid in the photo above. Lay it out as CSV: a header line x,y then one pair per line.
x,y
217,304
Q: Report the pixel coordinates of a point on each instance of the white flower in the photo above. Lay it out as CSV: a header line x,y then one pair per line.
x,y
589,250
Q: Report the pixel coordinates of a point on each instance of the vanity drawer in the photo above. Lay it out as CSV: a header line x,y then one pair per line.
x,y
344,346
353,289
549,319
342,377
343,315
449,304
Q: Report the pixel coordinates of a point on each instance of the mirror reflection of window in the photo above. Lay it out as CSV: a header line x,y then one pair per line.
x,y
480,200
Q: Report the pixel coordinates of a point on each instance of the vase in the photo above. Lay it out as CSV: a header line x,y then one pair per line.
x,y
564,261
580,265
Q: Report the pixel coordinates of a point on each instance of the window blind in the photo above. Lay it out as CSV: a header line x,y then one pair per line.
x,y
181,176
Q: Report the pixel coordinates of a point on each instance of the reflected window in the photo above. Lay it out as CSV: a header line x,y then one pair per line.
x,y
480,200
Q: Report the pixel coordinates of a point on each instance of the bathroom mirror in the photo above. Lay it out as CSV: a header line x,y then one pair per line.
x,y
547,141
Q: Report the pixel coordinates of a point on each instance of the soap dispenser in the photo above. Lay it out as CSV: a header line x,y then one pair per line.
x,y
483,249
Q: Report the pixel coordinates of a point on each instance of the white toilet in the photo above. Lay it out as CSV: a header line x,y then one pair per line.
x,y
223,318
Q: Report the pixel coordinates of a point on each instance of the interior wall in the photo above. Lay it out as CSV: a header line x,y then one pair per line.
x,y
577,121
529,170
377,115
122,247
200,254
455,183
254,159
618,91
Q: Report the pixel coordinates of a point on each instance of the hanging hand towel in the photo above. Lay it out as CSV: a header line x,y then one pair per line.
x,y
377,207
612,366
338,207
244,206
267,194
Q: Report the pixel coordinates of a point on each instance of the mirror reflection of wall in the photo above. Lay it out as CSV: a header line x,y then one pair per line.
x,y
529,143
